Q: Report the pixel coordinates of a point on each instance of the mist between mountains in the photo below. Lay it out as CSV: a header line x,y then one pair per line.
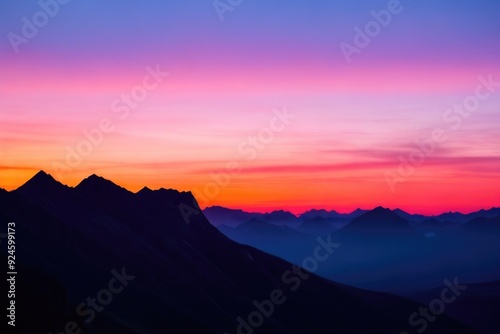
x,y
248,151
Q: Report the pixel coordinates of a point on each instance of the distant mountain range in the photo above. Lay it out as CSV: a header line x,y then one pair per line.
x,y
322,222
232,217
218,215
385,251
178,277
483,225
379,223
454,217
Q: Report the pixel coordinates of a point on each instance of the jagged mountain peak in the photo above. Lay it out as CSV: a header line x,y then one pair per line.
x,y
41,181
380,221
380,213
95,183
42,176
145,190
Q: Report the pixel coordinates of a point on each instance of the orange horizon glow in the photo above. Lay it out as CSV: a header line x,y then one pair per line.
x,y
353,122
243,199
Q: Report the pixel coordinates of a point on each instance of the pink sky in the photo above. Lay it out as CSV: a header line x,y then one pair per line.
x,y
351,122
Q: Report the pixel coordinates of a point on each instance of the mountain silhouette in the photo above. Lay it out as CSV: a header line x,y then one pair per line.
x,y
410,217
187,276
379,222
219,215
383,246
333,215
483,225
463,218
98,185
318,226
233,217
433,226
264,229
42,184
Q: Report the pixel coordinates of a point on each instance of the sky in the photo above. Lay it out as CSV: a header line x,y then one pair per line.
x,y
259,105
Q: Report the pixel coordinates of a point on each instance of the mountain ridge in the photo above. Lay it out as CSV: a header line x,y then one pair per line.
x,y
187,277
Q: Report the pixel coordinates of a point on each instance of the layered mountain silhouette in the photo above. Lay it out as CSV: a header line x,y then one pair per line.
x,y
278,240
218,215
483,225
185,276
393,251
456,218
332,214
432,227
318,226
307,222
266,230
462,218
410,217
379,223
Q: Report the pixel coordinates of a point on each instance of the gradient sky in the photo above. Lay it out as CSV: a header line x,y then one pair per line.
x,y
352,120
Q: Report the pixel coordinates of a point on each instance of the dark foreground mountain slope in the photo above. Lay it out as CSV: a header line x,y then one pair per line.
x,y
477,305
483,225
100,259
